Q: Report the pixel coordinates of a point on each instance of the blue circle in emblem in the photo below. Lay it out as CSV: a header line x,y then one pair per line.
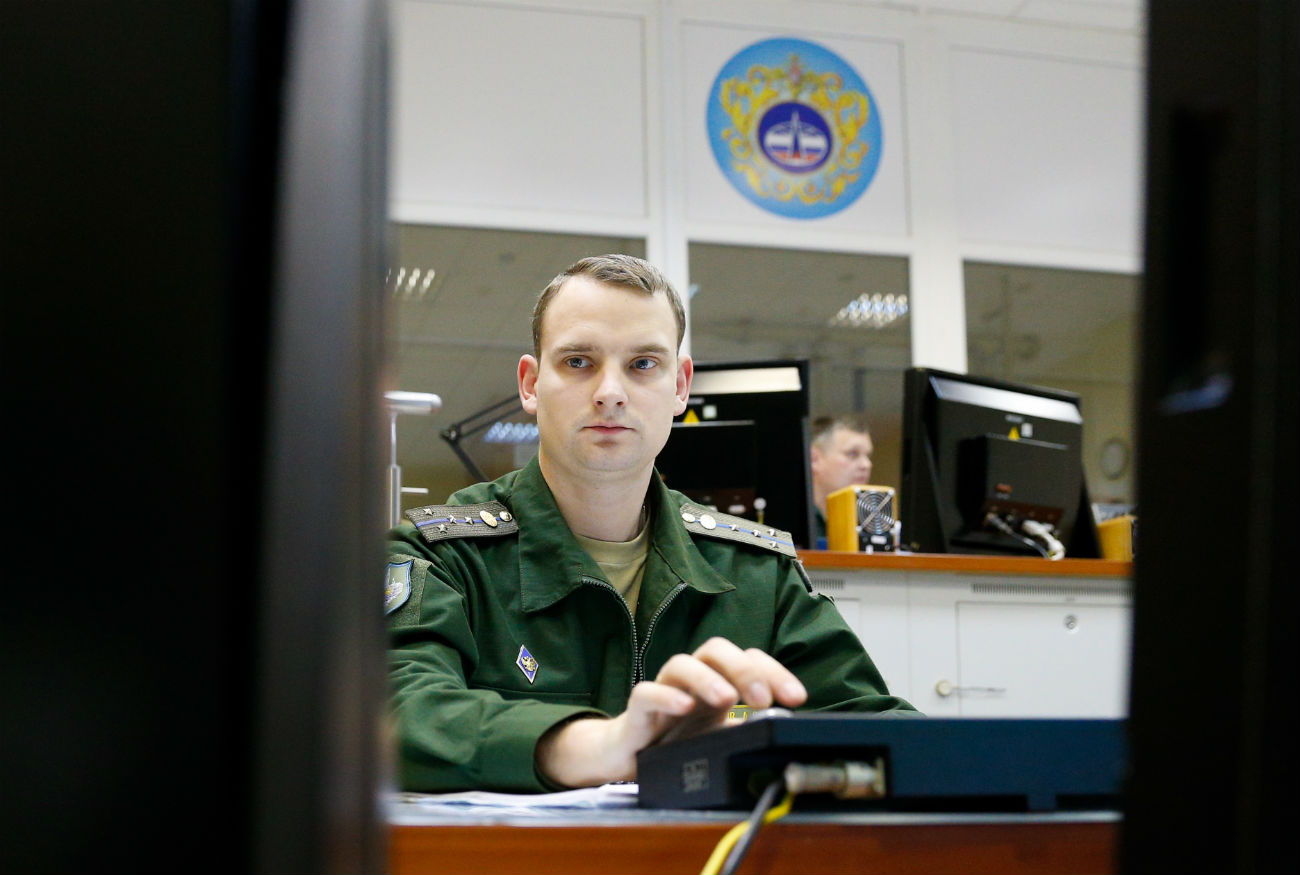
x,y
794,128
794,137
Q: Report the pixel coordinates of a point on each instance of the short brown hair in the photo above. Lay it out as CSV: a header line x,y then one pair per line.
x,y
627,271
824,426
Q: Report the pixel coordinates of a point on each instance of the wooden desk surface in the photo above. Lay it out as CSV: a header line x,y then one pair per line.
x,y
1002,844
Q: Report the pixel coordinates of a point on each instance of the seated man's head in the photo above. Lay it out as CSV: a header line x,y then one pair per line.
x,y
605,378
841,455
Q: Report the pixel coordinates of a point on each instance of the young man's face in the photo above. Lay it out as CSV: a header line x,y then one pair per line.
x,y
844,461
609,381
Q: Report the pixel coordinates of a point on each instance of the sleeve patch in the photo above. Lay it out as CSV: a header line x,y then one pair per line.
x,y
397,585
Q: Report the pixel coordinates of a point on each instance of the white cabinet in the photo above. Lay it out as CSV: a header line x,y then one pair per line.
x,y
1023,643
1041,659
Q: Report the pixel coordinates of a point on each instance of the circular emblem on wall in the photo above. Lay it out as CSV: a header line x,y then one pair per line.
x,y
794,128
795,145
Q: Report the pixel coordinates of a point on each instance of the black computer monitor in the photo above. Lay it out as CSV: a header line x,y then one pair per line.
x,y
1214,591
246,734
742,444
981,457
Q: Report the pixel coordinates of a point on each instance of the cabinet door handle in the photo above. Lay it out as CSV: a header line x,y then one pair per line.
x,y
946,688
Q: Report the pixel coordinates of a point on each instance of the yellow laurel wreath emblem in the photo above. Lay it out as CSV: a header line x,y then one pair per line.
x,y
845,111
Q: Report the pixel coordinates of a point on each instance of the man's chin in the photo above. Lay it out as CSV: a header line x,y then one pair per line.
x,y
615,462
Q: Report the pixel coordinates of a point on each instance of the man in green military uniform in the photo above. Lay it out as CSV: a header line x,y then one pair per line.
x,y
550,624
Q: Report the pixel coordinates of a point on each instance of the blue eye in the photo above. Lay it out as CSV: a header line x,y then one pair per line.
x,y
643,364
575,361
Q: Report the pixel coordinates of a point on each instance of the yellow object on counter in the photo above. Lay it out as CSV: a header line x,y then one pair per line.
x,y
1117,536
860,518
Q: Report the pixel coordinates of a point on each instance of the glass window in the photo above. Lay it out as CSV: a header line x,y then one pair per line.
x,y
845,313
1064,329
459,327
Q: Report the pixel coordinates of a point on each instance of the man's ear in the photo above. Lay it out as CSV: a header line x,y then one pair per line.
x,y
685,371
527,379
815,459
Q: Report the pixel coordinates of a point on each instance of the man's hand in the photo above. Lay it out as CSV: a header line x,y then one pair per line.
x,y
690,694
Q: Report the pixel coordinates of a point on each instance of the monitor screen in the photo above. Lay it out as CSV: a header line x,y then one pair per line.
x,y
991,466
741,446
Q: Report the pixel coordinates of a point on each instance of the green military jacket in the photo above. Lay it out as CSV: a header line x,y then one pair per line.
x,y
502,626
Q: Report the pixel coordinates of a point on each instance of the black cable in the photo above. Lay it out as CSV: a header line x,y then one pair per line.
x,y
770,794
1005,528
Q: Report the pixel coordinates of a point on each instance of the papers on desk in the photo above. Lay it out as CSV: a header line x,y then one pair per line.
x,y
608,796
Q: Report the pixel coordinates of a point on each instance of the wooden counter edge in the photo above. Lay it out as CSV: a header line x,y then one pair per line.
x,y
952,562
665,849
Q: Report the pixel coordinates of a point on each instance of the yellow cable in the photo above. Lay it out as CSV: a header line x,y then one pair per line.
x,y
723,848
728,841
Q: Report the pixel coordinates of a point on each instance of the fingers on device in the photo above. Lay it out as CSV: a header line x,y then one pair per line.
x,y
862,519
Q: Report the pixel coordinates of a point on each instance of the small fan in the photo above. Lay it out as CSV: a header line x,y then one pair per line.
x,y
875,512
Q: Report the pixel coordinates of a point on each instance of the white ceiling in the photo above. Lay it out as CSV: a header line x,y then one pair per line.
x,y
1126,16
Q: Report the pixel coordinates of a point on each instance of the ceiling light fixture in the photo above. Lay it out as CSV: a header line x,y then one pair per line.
x,y
873,310
410,282
503,432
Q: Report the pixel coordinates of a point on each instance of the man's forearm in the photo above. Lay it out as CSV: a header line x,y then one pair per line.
x,y
579,753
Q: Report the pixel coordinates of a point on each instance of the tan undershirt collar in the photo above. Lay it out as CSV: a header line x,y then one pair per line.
x,y
622,561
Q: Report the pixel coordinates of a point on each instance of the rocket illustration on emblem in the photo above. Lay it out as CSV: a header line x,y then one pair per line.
x,y
527,664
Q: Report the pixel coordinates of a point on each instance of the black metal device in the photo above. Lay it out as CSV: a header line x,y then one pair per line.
x,y
930,764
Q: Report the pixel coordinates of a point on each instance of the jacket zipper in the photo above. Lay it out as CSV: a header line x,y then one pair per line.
x,y
650,630
604,584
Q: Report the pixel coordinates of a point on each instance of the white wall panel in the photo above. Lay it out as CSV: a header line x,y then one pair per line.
x,y
710,198
1048,151
517,108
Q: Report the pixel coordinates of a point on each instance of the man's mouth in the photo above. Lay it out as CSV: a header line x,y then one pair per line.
x,y
608,429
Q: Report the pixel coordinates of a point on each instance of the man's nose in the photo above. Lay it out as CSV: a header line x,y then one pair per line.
x,y
610,391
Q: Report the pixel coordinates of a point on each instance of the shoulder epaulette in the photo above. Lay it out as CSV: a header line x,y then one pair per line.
x,y
701,520
439,522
